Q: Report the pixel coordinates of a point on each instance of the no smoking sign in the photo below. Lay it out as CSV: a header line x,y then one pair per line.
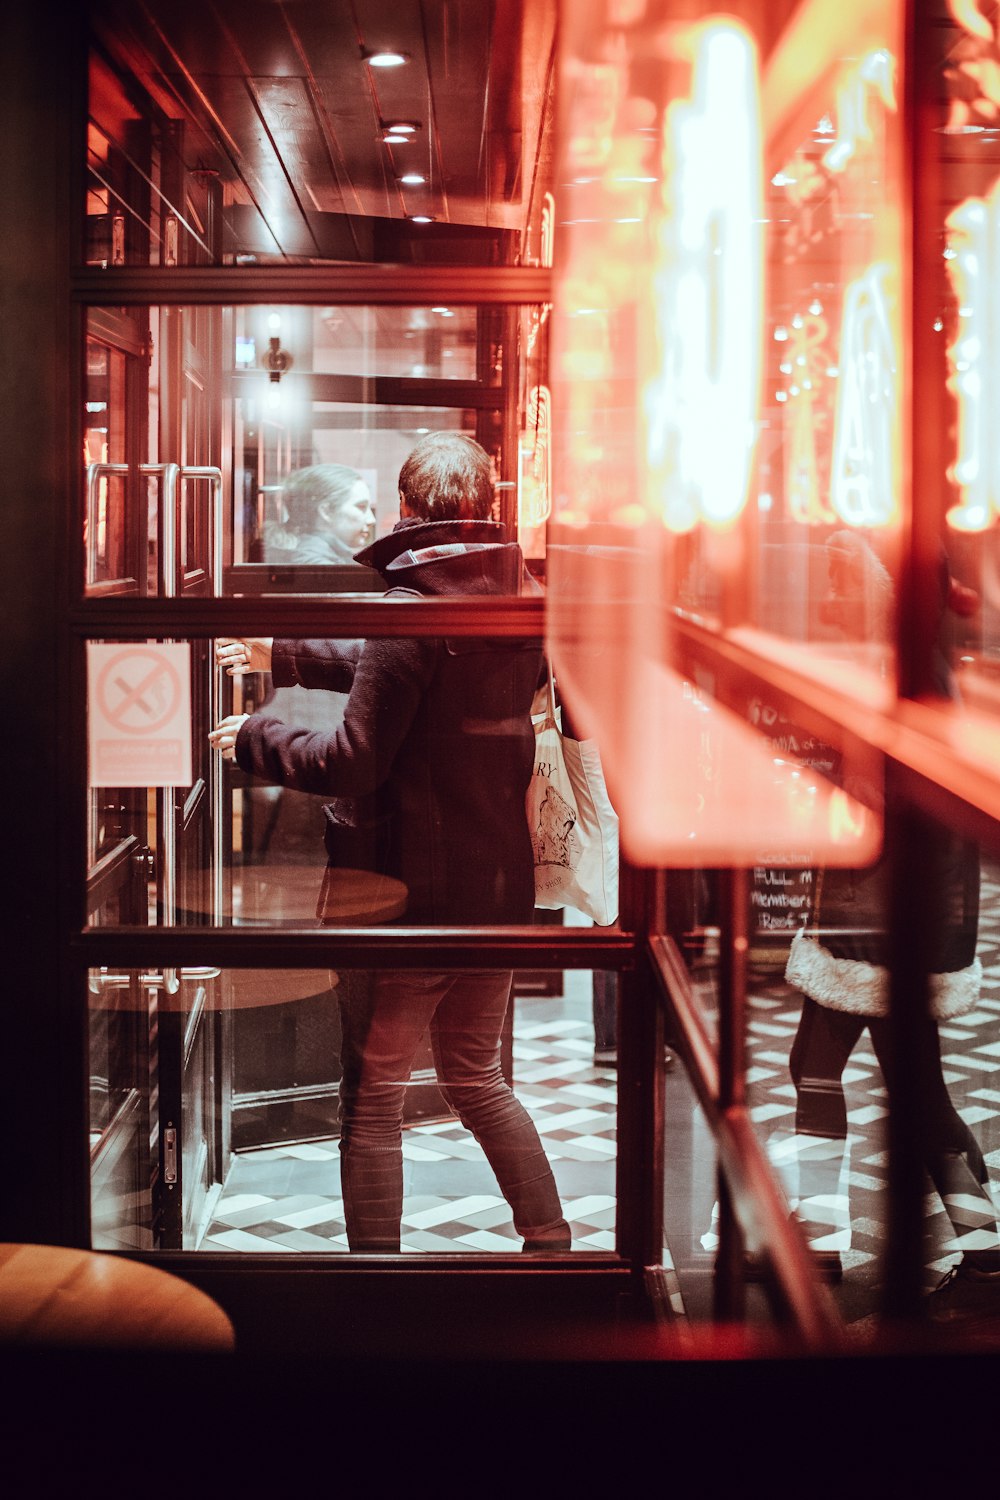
x,y
139,715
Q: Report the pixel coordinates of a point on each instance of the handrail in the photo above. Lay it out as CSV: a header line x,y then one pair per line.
x,y
167,523
216,681
216,521
193,800
308,947
758,1201
167,549
110,872
216,686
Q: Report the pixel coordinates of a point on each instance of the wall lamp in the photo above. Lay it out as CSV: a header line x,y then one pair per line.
x,y
275,360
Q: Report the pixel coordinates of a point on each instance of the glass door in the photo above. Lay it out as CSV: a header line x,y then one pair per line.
x,y
275,337
159,1056
359,386
245,1059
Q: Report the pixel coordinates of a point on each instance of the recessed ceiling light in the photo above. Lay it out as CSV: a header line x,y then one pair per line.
x,y
401,127
384,57
412,179
396,140
421,218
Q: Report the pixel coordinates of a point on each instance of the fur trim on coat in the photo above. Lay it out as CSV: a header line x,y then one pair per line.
x,y
862,989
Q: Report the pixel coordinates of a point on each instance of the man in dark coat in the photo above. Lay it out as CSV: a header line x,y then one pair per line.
x,y
435,752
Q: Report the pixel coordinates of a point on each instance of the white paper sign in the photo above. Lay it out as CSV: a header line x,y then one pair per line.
x,y
139,715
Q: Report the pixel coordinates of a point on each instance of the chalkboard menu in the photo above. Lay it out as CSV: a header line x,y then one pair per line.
x,y
780,900
783,882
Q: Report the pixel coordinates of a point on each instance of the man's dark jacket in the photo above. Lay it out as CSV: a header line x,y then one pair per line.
x,y
436,736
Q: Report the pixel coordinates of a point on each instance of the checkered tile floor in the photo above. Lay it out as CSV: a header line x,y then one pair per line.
x,y
288,1198
842,1193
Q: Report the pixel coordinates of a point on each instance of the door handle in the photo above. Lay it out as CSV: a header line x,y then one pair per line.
x,y
95,473
100,980
168,523
169,980
210,471
216,680
168,477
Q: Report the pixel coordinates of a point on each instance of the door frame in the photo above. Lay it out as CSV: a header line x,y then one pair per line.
x,y
52,951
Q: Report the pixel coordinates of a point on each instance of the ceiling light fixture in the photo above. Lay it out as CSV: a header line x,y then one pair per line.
x,y
412,179
400,127
421,218
384,57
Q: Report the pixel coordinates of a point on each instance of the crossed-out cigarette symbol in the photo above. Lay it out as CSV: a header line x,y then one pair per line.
x,y
138,692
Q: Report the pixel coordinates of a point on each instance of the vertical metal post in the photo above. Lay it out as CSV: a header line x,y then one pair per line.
x,y
216,688
911,906
925,436
216,681
510,451
640,1089
729,1291
168,479
912,915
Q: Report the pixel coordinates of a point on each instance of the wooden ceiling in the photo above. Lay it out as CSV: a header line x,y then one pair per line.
x,y
275,98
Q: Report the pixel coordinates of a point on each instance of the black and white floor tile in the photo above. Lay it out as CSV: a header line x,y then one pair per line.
x,y
848,1211
287,1199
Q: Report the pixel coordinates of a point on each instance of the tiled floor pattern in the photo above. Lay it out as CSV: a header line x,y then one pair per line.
x,y
288,1198
848,1187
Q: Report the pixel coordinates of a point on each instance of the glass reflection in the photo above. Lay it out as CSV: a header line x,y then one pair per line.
x,y
700,177
227,1109
427,775
829,475
258,845
817,1058
965,139
199,422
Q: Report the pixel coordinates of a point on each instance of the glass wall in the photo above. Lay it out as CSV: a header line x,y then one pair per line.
x,y
770,589
767,601
215,1113
196,420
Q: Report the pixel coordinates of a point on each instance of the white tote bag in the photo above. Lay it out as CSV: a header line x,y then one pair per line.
x,y
573,827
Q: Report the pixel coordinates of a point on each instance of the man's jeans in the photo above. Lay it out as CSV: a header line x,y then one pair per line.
x,y
383,1018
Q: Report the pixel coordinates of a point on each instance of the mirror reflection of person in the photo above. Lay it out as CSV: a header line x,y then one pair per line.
x,y
840,969
328,517
439,732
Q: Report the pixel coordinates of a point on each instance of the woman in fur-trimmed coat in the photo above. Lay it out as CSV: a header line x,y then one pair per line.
x,y
840,968
841,972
